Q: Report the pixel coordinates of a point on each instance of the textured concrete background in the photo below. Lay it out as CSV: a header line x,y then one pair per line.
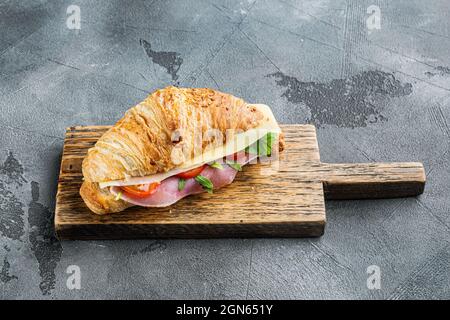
x,y
375,95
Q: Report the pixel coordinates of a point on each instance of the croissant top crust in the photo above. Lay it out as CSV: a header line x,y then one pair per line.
x,y
166,130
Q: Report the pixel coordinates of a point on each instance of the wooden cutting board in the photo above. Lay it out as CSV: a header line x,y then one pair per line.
x,y
284,199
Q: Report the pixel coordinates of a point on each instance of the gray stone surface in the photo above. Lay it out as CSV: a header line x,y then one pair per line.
x,y
382,95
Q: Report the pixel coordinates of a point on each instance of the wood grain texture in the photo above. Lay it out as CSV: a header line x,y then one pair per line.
x,y
283,198
373,180
261,202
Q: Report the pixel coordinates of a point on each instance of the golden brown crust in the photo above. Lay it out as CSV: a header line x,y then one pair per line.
x,y
142,143
160,134
101,201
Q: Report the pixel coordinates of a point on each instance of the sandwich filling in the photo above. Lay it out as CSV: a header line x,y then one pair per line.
x,y
206,177
236,142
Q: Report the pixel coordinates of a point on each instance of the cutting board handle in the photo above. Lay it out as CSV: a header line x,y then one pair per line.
x,y
373,180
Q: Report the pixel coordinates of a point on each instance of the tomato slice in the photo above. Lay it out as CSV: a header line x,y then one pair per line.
x,y
191,173
141,190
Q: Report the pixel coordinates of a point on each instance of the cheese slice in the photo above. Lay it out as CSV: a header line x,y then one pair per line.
x,y
239,142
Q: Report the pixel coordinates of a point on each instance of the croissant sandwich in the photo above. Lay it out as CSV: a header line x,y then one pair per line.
x,y
177,142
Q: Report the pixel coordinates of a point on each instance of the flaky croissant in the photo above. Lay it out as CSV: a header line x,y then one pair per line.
x,y
147,139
